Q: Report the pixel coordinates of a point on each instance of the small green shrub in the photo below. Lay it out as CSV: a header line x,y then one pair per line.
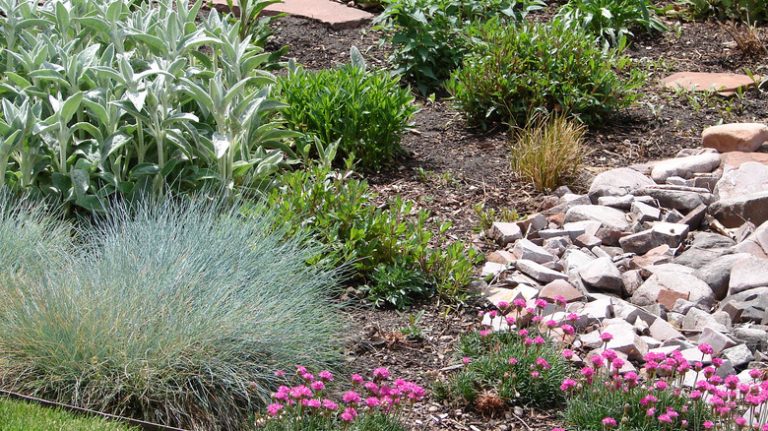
x,y
428,35
367,112
612,20
176,313
747,11
510,73
390,248
549,151
501,370
19,416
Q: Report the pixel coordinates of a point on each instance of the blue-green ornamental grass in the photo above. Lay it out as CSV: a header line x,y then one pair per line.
x,y
21,416
176,313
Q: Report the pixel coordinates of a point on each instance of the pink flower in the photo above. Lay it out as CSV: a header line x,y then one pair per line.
x,y
538,340
740,421
357,379
535,374
372,402
540,303
371,387
755,373
513,361
503,305
560,300
708,424
567,353
466,360
484,332
567,385
351,397
665,418
606,337
660,385
609,422
312,403
567,329
519,303
302,391
651,412
572,317
510,320
329,405
706,349
274,408
381,373
279,373
349,414
550,323
325,375
317,386
541,362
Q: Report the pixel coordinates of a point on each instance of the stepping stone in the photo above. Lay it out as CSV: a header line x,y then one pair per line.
x,y
336,15
725,84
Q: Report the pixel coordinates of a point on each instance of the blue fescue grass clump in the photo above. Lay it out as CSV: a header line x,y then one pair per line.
x,y
176,313
21,416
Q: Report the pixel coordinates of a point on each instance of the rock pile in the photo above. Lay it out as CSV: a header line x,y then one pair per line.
x,y
665,255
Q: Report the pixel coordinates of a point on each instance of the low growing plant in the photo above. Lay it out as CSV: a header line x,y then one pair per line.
x,y
612,20
548,151
390,248
366,111
745,11
511,73
368,405
176,312
429,35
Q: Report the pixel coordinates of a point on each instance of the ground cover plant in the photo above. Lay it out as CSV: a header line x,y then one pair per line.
x,y
125,98
311,404
20,416
392,250
509,75
549,151
366,111
612,20
429,35
176,313
747,11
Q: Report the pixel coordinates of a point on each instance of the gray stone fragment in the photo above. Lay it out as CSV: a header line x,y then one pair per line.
x,y
525,249
716,339
539,272
617,182
748,178
587,240
670,234
696,320
505,233
738,356
685,167
602,274
607,216
752,303
735,211
748,273
618,202
644,212
680,198
663,331
632,280
666,287
717,273
754,338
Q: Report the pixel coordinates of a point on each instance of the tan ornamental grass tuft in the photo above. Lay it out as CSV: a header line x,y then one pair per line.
x,y
549,150
749,39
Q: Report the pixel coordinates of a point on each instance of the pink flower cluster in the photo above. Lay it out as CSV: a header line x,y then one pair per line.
x,y
310,395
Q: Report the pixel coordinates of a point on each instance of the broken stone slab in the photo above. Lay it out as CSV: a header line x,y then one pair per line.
x,y
539,272
695,217
525,249
659,255
571,233
734,212
557,246
685,167
573,259
606,216
618,202
725,84
735,159
531,224
751,305
644,212
617,182
502,257
695,257
717,273
671,234
571,200
505,233
676,197
665,287
663,331
560,288
492,269
496,295
716,339
755,338
738,356
748,273
724,138
632,280
750,177
602,274
587,240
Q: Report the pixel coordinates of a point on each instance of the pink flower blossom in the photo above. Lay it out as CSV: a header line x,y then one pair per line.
x,y
381,373
567,385
466,360
279,373
484,332
357,379
274,408
317,385
567,353
706,349
329,405
349,414
609,422
708,424
372,402
503,305
325,375
606,337
350,397
513,361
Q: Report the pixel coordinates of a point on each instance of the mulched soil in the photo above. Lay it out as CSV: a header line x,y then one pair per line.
x,y
450,169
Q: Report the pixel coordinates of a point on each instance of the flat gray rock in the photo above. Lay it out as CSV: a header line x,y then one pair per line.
x,y
748,273
665,287
617,182
602,274
685,167
539,272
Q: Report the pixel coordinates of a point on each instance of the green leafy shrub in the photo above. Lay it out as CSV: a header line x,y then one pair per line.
x,y
176,313
501,370
612,20
748,11
367,112
428,35
103,99
19,416
510,73
391,248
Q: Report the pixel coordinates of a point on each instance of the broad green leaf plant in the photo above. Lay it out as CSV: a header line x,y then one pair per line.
x,y
107,97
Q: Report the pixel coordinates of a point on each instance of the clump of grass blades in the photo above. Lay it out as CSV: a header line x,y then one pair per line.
x,y
549,151
749,38
175,313
18,416
374,422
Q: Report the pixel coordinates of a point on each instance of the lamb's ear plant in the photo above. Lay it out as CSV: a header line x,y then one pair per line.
x,y
100,94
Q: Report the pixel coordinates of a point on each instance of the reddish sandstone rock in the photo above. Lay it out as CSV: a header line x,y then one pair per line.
x,y
725,138
725,84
